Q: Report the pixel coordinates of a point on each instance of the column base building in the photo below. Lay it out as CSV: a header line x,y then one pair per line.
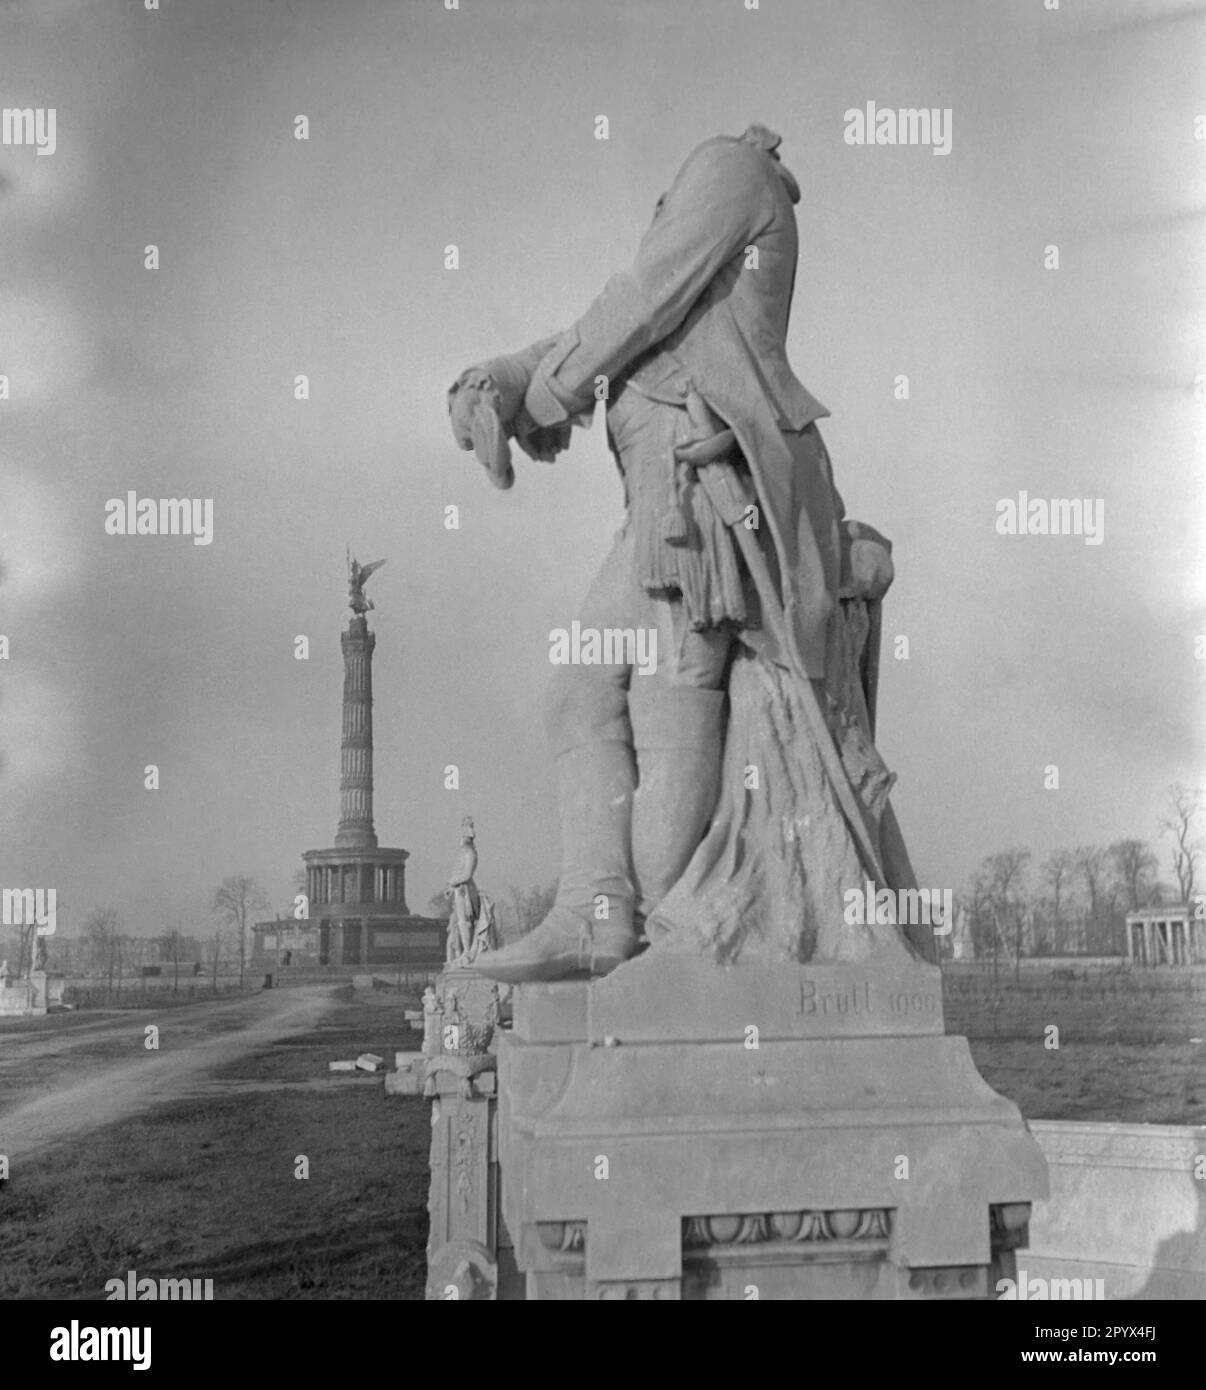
x,y
358,902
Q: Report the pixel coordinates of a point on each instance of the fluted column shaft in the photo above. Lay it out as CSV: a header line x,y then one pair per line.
x,y
356,752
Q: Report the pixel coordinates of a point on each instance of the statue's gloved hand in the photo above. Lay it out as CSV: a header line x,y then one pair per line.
x,y
476,414
485,406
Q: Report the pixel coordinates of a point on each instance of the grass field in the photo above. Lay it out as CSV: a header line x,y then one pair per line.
x,y
1127,1049
205,1188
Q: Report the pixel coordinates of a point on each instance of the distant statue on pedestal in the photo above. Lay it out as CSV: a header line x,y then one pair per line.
x,y
357,577
471,928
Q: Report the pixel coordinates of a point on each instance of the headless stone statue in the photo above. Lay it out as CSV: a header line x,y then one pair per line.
x,y
722,803
735,556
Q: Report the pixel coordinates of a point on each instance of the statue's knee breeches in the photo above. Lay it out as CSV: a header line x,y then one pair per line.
x,y
589,703
586,704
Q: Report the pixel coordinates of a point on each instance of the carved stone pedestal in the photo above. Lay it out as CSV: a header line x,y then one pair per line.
x,y
468,1252
46,990
682,1130
31,997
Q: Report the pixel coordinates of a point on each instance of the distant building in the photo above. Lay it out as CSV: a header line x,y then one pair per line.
x,y
355,891
186,950
1165,936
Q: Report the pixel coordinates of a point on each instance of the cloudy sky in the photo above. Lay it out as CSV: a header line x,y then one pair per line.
x,y
1072,127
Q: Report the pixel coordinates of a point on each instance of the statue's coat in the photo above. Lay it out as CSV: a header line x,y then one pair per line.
x,y
706,304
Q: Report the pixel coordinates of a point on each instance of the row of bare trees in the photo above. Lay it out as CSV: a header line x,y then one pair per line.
x,y
105,950
1078,902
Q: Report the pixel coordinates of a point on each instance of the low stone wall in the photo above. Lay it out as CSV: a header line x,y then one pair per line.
x,y
1125,1208
19,999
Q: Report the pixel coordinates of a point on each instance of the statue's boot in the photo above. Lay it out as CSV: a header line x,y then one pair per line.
x,y
589,927
679,736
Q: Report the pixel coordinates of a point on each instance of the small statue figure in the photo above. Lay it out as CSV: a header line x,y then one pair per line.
x,y
357,577
471,928
39,953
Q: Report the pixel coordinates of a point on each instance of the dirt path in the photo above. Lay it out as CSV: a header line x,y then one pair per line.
x,y
193,1041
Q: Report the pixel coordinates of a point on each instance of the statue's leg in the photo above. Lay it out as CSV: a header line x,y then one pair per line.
x,y
678,730
589,928
464,921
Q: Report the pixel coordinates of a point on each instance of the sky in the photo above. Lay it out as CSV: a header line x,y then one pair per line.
x,y
1071,127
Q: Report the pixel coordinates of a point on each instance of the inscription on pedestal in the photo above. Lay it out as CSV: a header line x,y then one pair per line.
x,y
819,998
667,996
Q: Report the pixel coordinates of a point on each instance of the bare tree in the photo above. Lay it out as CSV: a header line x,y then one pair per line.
x,y
1135,866
100,931
1184,805
174,943
1000,893
235,901
215,955
1093,866
1057,872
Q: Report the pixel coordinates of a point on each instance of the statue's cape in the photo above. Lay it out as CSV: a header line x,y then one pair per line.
x,y
773,873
